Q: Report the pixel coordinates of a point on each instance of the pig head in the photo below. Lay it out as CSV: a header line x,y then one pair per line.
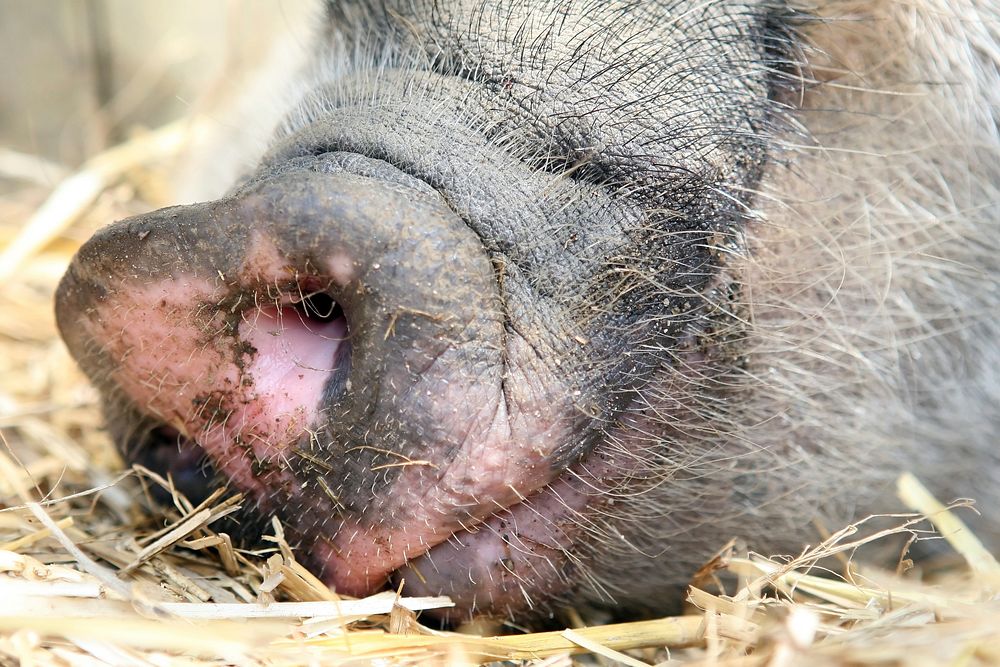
x,y
479,318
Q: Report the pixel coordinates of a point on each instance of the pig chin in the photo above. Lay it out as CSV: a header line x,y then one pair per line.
x,y
386,407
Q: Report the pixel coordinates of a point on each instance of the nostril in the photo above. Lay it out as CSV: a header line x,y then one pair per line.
x,y
297,342
162,436
304,321
171,455
320,308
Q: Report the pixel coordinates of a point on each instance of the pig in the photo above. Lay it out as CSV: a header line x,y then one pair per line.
x,y
537,303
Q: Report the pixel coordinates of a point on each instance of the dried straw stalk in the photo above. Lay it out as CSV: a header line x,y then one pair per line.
x,y
90,574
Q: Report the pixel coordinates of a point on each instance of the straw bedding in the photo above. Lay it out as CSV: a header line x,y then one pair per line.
x,y
91,572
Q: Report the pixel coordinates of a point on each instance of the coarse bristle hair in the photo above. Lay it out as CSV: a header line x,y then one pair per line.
x,y
868,313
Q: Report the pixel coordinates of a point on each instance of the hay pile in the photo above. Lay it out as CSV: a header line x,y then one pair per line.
x,y
91,573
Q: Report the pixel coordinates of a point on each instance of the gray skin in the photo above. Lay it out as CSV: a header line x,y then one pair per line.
x,y
540,204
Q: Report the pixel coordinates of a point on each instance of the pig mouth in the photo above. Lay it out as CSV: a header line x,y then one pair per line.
x,y
400,426
478,519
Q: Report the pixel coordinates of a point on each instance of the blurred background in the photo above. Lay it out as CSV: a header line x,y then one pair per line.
x,y
76,76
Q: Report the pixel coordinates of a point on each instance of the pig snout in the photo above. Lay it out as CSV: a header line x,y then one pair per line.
x,y
539,304
461,327
335,345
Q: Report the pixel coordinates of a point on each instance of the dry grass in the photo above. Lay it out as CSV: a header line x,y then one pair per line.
x,y
89,574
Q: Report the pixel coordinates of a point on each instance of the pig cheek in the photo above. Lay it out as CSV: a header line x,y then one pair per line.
x,y
488,447
485,449
164,353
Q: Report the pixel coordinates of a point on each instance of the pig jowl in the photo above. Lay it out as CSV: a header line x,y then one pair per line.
x,y
439,330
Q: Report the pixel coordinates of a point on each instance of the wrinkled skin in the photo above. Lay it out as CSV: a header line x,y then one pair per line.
x,y
539,303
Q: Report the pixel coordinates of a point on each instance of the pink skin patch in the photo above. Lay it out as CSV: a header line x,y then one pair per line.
x,y
245,380
496,563
341,268
504,458
245,399
294,357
